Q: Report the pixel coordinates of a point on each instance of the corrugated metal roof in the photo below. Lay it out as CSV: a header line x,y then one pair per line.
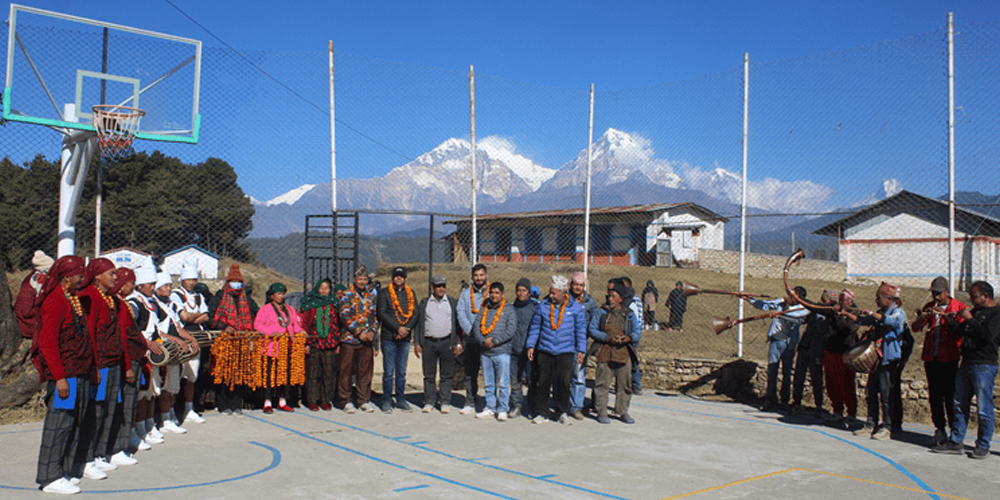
x,y
629,209
971,222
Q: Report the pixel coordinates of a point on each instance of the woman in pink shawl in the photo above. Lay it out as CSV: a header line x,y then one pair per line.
x,y
276,318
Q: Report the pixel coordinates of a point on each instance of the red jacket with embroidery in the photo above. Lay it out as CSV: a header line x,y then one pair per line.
x,y
105,331
62,349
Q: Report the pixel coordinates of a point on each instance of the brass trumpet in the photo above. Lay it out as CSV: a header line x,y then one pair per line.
x,y
692,289
722,324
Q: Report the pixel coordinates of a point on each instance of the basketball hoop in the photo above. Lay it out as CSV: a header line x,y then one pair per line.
x,y
116,128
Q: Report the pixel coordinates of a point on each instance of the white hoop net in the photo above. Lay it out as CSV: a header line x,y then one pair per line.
x,y
116,128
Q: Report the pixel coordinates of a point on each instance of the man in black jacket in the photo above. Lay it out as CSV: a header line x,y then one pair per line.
x,y
436,339
396,315
980,334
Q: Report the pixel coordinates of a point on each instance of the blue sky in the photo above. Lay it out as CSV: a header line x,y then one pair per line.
x,y
622,46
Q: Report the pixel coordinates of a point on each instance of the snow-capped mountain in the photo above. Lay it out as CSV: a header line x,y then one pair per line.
x,y
889,187
615,157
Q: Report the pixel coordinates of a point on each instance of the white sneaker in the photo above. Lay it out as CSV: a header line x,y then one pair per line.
x,y
144,446
538,419
368,407
193,416
445,410
154,432
104,465
502,416
427,409
61,486
349,408
90,471
74,481
172,428
122,458
487,413
153,439
467,410
564,419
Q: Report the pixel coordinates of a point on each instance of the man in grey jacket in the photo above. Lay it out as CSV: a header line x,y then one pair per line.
x,y
469,303
436,338
524,309
494,327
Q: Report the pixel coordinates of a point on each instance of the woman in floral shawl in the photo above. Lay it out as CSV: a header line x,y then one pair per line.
x,y
319,319
232,313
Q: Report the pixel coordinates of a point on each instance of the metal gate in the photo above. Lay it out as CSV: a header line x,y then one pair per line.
x,y
331,248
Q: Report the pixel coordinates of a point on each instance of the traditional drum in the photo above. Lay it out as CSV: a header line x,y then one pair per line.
x,y
204,338
171,353
863,357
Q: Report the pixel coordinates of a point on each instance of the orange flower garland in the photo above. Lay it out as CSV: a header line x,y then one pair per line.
x,y
107,300
74,300
552,313
482,322
397,309
472,298
240,359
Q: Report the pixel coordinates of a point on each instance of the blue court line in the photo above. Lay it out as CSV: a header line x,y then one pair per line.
x,y
275,461
377,459
19,432
547,476
419,442
471,461
400,438
411,488
927,489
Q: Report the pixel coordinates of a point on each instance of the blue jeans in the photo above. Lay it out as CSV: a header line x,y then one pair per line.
x,y
783,352
578,387
974,380
395,354
496,374
518,368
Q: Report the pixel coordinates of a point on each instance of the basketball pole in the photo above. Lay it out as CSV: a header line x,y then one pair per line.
x,y
77,148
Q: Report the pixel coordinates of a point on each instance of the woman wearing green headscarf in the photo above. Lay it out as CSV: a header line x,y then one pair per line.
x,y
319,318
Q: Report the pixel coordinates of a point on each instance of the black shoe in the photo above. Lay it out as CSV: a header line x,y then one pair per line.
x,y
768,406
627,419
979,453
939,437
949,448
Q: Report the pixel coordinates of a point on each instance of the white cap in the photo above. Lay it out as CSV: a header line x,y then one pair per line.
x,y
189,271
163,278
144,275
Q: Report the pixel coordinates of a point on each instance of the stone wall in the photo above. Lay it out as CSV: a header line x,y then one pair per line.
x,y
769,266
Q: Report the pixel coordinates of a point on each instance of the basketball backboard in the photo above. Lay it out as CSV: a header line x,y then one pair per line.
x,y
55,59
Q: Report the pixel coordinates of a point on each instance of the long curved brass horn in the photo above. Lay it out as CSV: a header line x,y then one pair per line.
x,y
722,324
692,289
812,306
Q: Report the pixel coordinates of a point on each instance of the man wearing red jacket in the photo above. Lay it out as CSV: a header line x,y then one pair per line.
x,y
64,357
941,354
25,309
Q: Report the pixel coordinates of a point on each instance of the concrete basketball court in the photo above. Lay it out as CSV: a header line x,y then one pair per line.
x,y
679,448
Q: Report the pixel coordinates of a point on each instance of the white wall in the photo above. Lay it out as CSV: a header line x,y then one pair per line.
x,y
208,266
129,259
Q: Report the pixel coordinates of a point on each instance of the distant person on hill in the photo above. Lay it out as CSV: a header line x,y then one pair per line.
x,y
782,337
650,296
358,327
397,306
319,319
677,304
524,308
557,338
437,339
578,291
469,304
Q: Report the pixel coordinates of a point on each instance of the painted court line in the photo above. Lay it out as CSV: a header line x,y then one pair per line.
x,y
411,488
381,460
799,469
544,479
925,488
275,461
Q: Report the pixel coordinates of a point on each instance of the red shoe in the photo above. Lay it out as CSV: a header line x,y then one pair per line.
x,y
313,407
268,410
285,407
326,406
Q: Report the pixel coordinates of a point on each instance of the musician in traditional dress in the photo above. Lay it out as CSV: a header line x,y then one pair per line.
x,y
557,338
277,319
319,319
887,328
469,304
63,354
613,329
192,309
782,337
110,361
578,389
492,332
170,329
840,385
358,326
809,357
233,313
397,306
144,315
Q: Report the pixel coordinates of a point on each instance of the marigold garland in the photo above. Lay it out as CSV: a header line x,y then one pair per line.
x,y
74,300
241,359
472,298
482,322
552,313
398,309
107,300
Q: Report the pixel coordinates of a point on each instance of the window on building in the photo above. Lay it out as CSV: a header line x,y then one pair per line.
x,y
533,240
503,241
600,239
566,241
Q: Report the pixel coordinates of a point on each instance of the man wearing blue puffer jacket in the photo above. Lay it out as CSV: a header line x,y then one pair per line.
x,y
558,331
